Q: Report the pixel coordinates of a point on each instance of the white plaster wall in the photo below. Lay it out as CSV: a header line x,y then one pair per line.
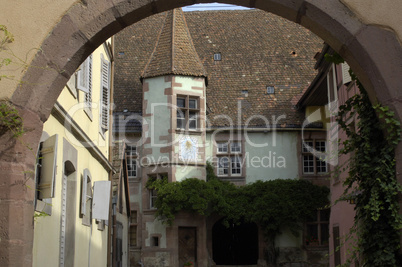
x,y
184,172
271,156
159,123
187,82
156,227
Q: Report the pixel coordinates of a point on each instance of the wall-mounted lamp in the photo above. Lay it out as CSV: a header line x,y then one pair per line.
x,y
351,198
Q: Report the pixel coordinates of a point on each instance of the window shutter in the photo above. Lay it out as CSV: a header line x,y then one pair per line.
x,y
84,191
88,95
101,198
105,94
345,73
82,76
49,165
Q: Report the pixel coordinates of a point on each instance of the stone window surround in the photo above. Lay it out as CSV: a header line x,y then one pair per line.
x,y
308,158
321,224
186,110
226,137
131,159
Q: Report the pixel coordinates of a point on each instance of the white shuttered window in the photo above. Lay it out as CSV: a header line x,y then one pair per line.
x,y
84,78
86,197
84,83
48,157
346,78
105,95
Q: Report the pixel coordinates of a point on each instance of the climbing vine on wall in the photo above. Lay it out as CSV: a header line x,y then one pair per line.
x,y
5,38
272,204
10,120
372,136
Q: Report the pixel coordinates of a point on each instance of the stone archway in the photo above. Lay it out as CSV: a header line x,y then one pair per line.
x,y
88,23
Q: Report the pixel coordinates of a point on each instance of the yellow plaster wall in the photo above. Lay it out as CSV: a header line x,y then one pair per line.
x,y
318,114
75,106
30,22
47,229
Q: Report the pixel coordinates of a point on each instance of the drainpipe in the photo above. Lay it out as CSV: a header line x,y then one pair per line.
x,y
113,223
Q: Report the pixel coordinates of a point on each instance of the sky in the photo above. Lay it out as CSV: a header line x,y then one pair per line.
x,y
212,6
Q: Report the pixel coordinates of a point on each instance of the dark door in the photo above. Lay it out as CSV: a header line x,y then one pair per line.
x,y
187,245
235,245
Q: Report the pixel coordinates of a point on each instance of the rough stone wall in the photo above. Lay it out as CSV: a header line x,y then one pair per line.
x,y
54,37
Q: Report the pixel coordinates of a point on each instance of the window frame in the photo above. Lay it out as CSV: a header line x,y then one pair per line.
x,y
46,166
235,160
239,147
187,115
222,148
224,151
152,193
320,224
222,166
311,161
86,198
217,56
131,160
84,84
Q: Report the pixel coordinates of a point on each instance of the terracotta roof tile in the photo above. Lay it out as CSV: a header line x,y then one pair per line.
x,y
258,49
174,52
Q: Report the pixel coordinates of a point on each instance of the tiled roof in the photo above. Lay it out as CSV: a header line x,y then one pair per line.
x,y
174,51
258,49
133,48
128,122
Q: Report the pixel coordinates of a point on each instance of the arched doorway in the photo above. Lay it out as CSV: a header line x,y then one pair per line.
x,y
87,24
235,244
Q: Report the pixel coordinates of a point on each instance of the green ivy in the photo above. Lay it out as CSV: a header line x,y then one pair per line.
x,y
273,204
372,136
10,120
5,38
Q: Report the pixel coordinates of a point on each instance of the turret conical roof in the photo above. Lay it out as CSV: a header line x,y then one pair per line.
x,y
174,51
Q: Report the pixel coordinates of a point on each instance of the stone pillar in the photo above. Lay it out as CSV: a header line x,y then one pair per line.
x,y
17,162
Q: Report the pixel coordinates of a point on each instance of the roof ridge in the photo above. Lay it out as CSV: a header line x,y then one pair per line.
x,y
156,45
174,51
192,44
173,38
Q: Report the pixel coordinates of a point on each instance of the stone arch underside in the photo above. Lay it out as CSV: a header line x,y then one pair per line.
x,y
376,61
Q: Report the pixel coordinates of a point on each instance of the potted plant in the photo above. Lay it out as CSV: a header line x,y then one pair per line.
x,y
189,264
312,241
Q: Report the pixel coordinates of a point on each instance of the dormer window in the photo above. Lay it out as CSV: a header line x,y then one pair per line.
x,y
217,57
270,90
